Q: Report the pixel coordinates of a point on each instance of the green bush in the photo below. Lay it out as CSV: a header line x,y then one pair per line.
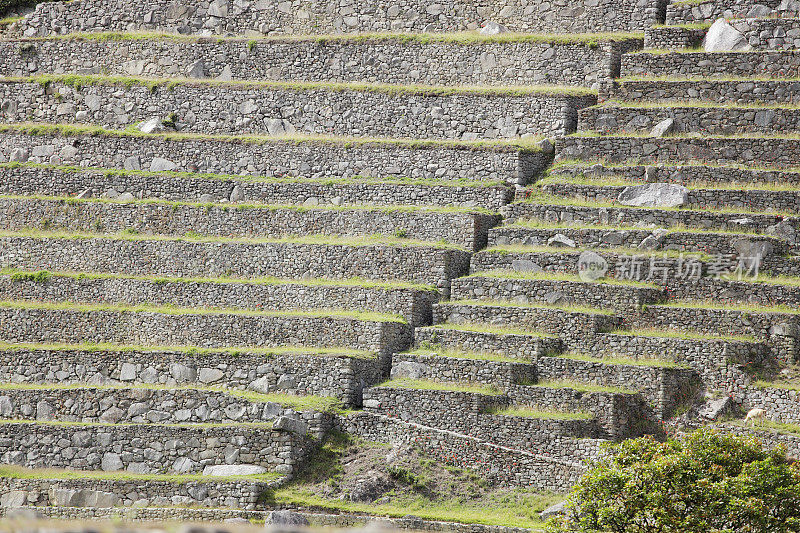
x,y
705,482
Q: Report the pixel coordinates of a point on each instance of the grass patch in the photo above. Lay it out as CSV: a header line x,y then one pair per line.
x,y
548,414
514,249
178,311
686,335
17,472
777,385
490,328
624,361
439,351
510,304
580,386
558,277
422,384
715,306
672,229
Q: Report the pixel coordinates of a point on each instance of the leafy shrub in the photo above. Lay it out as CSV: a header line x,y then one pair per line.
x,y
705,482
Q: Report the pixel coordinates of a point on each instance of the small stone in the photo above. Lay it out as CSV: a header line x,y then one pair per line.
x,y
663,128
493,28
196,70
152,125
560,240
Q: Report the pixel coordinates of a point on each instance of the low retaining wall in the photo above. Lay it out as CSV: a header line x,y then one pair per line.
x,y
330,16
278,158
464,229
70,181
452,369
413,304
334,375
673,37
780,405
524,347
783,64
761,92
146,449
275,109
694,12
209,330
420,264
424,61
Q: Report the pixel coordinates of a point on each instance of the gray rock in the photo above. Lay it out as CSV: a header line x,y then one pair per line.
x,y
159,165
525,265
649,243
210,375
111,462
560,240
260,385
409,369
225,75
152,125
722,37
286,518
125,197
234,470
206,199
716,408
14,498
6,407
133,163
286,381
663,128
182,373
196,70
654,195
237,195
290,424
19,155
183,465
758,11
784,230
785,329
493,28
86,193
44,411
554,510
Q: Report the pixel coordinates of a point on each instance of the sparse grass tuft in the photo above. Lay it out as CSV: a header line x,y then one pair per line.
x,y
530,412
421,384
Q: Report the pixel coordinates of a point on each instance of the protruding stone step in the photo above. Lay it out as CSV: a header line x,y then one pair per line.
x,y
462,227
48,180
517,343
75,488
745,90
387,259
283,371
330,17
680,37
165,326
411,301
286,109
699,64
305,157
408,59
525,287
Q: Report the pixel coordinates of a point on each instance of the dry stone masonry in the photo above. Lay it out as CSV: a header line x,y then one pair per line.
x,y
504,233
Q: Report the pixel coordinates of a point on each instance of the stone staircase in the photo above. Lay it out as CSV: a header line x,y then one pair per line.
x,y
229,228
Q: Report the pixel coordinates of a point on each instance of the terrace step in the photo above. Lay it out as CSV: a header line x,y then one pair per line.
x,y
71,488
761,206
525,345
724,179
140,448
772,151
302,157
458,226
410,301
615,236
763,291
407,59
680,37
451,366
186,257
329,17
273,108
561,318
338,373
49,180
161,326
694,12
699,64
745,90
696,118
765,32
521,287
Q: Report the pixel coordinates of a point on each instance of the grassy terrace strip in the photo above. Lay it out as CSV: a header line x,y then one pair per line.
x,y
355,180
78,81
35,129
529,412
299,403
189,350
169,310
244,206
547,276
321,240
492,329
777,385
700,79
623,361
586,163
590,134
43,276
199,425
675,334
571,308
703,104
16,472
422,384
466,38
431,350
715,306
578,386
678,228
512,249
619,181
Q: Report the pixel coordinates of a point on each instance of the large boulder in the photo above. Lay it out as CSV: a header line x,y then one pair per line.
x,y
722,37
654,195
290,424
409,369
554,510
286,518
233,470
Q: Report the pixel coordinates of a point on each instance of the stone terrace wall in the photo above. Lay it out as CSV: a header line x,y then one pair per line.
x,y
781,405
142,405
434,266
296,373
413,304
452,369
673,38
319,159
146,449
67,181
210,330
112,493
693,12
467,230
778,91
784,64
770,34
330,16
235,108
497,463
396,61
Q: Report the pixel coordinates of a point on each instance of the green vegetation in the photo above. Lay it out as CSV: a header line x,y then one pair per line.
x,y
554,276
580,386
547,414
624,361
17,472
422,384
569,308
427,349
42,276
737,308
478,327
676,334
705,482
